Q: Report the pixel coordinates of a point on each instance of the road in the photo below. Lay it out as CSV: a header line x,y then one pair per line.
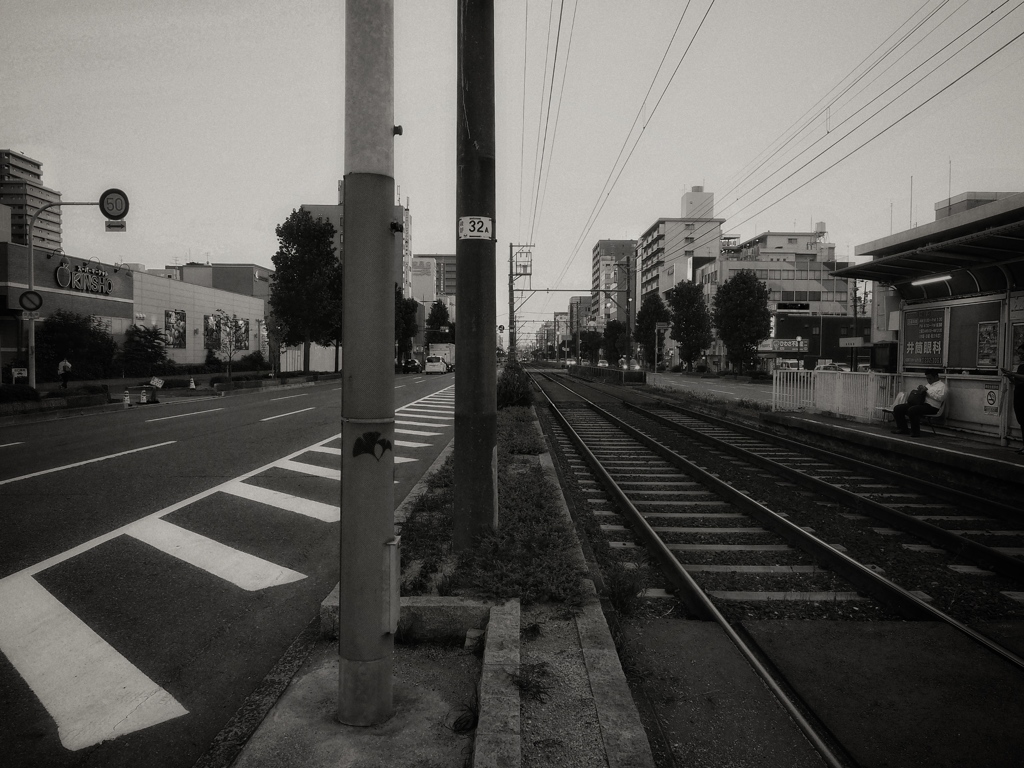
x,y
157,562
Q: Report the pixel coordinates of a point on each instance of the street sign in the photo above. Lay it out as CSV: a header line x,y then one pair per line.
x,y
19,373
662,326
30,315
855,342
116,226
114,204
475,228
30,300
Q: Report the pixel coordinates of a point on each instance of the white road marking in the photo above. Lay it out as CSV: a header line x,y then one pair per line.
x,y
282,415
403,459
8,445
309,469
315,509
240,568
87,461
418,434
92,692
424,414
325,449
417,423
181,415
289,397
407,444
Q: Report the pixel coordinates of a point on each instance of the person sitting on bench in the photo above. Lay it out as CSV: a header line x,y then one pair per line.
x,y
923,401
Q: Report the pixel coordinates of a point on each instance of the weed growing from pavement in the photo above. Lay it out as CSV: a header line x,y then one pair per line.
x,y
528,556
531,679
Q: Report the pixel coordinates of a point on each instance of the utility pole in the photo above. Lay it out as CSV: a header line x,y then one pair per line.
x,y
476,410
368,592
511,308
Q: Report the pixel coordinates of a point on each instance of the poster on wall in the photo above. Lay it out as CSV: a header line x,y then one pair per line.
x,y
988,344
1018,342
174,328
924,333
211,332
241,334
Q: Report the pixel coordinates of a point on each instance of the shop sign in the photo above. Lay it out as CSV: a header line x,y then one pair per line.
x,y
83,278
924,332
783,345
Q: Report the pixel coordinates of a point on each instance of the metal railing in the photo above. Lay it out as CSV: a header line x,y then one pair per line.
x,y
858,396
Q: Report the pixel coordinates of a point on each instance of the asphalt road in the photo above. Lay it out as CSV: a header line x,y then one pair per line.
x,y
156,562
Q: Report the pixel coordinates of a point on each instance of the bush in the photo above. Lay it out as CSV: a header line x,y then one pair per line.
x,y
700,368
17,393
514,387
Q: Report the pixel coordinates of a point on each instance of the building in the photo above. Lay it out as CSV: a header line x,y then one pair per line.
x,y
444,279
22,190
954,290
611,270
335,214
423,280
666,250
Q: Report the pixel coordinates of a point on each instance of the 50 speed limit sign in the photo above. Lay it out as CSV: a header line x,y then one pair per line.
x,y
114,204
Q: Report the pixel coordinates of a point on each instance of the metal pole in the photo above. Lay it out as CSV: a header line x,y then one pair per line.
x,y
368,590
476,412
511,309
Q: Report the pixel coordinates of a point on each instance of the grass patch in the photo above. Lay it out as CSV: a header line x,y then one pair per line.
x,y
528,556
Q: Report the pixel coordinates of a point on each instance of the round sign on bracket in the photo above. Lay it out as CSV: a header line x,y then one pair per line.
x,y
30,300
114,204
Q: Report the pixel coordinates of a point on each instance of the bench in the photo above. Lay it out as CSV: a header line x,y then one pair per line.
x,y
930,419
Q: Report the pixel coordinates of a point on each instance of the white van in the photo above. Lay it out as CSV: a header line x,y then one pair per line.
x,y
435,364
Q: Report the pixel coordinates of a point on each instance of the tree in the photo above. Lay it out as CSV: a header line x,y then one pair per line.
x,y
231,335
691,321
144,350
740,313
437,324
305,294
652,311
405,323
590,345
616,340
83,339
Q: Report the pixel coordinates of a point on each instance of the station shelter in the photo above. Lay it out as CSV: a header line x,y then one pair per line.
x,y
950,296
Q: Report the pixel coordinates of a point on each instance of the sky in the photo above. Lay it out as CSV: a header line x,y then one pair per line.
x,y
219,117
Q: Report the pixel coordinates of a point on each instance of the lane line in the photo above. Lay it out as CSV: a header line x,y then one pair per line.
x,y
289,397
181,415
247,571
286,501
87,461
8,445
92,692
407,444
282,415
418,434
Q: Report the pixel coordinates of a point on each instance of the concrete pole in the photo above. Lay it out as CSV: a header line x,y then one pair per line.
x,y
476,412
511,309
368,594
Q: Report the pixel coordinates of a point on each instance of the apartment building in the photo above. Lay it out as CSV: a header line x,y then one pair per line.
x,y
611,271
22,190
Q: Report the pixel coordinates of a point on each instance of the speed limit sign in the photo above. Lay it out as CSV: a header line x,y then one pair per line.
x,y
114,204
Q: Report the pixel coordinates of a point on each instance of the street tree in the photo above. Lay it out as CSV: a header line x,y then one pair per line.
x,y
691,321
230,334
437,331
305,294
652,311
740,313
405,324
616,340
144,351
84,339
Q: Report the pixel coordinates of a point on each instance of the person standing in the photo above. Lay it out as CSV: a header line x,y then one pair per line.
x,y
1017,379
923,401
64,371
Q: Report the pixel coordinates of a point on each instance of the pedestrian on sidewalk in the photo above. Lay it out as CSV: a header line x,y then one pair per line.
x,y
64,371
1017,379
923,401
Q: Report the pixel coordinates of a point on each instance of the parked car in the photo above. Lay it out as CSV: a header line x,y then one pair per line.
x,y
602,363
828,367
412,365
435,364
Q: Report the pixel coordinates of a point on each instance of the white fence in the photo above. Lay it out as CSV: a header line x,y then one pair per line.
x,y
321,359
859,396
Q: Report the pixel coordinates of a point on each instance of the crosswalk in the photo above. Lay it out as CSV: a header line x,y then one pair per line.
x,y
89,688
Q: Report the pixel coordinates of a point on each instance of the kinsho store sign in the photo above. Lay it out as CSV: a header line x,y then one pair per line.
x,y
83,278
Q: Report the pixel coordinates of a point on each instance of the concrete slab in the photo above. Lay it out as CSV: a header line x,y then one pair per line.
x,y
902,693
433,686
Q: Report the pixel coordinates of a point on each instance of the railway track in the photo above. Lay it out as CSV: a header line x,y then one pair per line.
x,y
742,525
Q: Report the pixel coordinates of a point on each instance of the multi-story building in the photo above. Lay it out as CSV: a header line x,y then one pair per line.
x,y
666,250
444,277
562,334
611,271
423,281
22,190
335,214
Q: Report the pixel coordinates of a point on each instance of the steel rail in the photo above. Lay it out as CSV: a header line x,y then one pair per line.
x,y
693,597
887,592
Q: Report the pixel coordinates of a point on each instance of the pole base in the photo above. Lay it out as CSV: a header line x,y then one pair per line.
x,y
365,691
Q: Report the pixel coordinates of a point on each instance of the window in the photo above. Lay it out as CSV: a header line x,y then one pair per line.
x,y
787,296
814,295
687,239
841,296
790,241
801,274
775,274
787,274
800,296
775,295
828,296
762,274
688,227
687,253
